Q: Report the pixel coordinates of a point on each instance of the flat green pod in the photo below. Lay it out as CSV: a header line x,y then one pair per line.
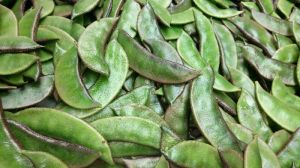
x,y
147,25
225,102
47,68
165,51
4,86
183,17
107,8
18,8
278,140
213,10
171,33
44,35
127,149
258,154
129,129
44,55
143,162
280,91
28,24
250,116
83,6
188,52
162,163
8,22
180,6
164,4
14,63
162,13
176,115
67,25
283,40
266,6
228,50
278,111
64,10
285,7
77,131
288,54
243,134
46,5
269,68
28,95
17,44
209,118
79,113
92,43
296,31
224,3
106,88
295,15
65,42
255,33
252,156
17,79
9,150
194,154
241,80
250,5
33,72
151,66
73,155
272,23
68,83
43,159
116,8
289,155
231,158
128,18
222,84
209,48
141,111
139,95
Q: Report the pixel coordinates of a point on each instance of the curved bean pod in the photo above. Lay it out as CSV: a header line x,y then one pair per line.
x,y
209,48
28,95
77,132
194,154
9,150
250,116
151,66
208,118
278,140
269,68
91,44
15,63
8,22
43,159
290,153
129,129
211,9
83,6
68,83
280,91
278,111
146,24
272,23
17,44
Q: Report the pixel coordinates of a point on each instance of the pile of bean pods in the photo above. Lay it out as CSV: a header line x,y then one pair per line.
x,y
149,83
